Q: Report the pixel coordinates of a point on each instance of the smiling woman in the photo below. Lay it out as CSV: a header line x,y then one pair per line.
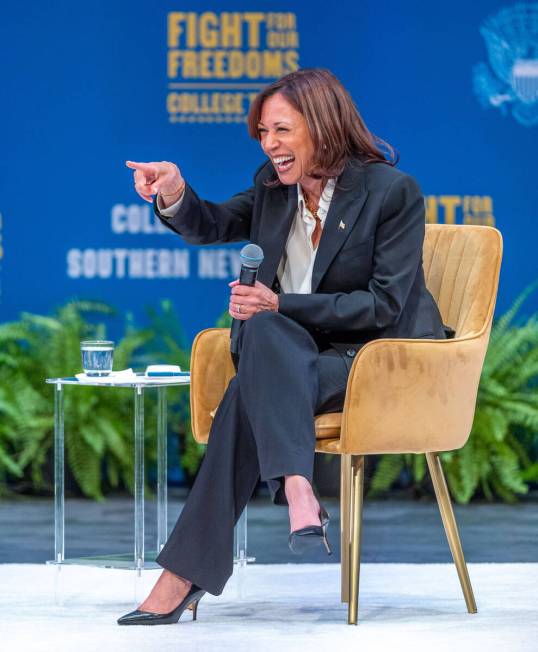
x,y
342,232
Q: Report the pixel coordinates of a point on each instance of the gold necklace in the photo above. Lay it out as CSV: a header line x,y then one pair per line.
x,y
316,233
314,211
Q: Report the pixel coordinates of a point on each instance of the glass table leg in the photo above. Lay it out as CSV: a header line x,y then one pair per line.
x,y
162,508
59,477
241,538
139,478
241,558
59,491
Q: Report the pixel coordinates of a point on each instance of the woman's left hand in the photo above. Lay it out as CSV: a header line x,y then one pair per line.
x,y
247,300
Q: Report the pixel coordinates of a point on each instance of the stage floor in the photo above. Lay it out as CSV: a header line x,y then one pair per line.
x,y
404,607
396,530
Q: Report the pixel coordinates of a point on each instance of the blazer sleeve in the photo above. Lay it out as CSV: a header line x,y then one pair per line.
x,y
199,221
397,257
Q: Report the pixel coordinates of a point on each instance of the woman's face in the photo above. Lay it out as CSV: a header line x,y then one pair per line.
x,y
285,138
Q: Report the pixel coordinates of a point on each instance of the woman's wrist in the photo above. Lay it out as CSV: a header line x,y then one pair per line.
x,y
167,199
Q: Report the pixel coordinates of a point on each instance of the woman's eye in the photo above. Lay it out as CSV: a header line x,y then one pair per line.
x,y
262,131
282,129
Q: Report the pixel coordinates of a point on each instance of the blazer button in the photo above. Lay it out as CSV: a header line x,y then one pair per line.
x,y
351,353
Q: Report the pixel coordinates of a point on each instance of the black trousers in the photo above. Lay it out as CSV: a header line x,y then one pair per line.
x,y
264,427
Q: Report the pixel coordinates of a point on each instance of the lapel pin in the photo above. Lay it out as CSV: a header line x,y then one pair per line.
x,y
341,225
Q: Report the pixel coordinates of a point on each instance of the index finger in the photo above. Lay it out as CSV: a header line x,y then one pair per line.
x,y
144,167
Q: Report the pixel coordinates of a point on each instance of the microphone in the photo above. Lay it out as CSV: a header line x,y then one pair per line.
x,y
251,257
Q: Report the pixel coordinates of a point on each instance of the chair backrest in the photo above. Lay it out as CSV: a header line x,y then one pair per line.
x,y
461,268
419,396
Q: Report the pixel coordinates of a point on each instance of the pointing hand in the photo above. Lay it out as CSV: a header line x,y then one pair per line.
x,y
153,178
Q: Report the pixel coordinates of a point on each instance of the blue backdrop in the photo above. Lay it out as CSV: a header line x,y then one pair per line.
x,y
453,86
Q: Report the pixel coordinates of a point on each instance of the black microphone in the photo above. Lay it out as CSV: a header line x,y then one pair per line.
x,y
251,257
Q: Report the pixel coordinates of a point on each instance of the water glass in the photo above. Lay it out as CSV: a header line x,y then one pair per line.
x,y
97,357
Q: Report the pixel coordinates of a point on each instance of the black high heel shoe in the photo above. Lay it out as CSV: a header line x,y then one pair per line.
x,y
311,536
138,617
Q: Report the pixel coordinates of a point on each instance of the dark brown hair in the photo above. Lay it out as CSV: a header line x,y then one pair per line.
x,y
336,127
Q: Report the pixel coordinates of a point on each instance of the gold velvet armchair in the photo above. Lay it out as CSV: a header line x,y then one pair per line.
x,y
403,396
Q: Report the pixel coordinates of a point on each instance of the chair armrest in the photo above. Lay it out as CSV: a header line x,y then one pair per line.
x,y
211,371
412,395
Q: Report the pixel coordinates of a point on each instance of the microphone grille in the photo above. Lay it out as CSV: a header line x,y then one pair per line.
x,y
251,256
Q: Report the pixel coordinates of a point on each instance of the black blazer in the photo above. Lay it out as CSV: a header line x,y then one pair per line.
x,y
367,281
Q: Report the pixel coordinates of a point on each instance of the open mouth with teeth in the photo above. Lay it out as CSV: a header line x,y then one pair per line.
x,y
283,163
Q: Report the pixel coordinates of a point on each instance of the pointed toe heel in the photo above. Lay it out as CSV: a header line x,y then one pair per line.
x,y
190,601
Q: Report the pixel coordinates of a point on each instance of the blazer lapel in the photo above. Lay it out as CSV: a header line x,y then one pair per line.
x,y
275,228
346,204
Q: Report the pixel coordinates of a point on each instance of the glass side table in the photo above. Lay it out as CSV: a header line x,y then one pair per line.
x,y
138,561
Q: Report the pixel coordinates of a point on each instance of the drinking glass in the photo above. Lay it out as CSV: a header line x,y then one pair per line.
x,y
97,357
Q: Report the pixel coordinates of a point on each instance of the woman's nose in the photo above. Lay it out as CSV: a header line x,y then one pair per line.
x,y
271,141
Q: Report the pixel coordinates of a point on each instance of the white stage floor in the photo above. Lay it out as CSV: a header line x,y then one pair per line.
x,y
402,607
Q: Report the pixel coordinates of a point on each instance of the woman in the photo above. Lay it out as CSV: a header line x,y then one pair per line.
x,y
342,233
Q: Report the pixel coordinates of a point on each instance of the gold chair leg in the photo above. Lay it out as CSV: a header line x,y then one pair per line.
x,y
345,538
451,529
357,485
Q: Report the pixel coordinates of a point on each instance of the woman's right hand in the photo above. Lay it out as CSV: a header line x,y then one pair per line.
x,y
162,178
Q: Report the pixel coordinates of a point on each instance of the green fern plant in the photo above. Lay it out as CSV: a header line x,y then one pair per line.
x,y
500,458
97,433
98,422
